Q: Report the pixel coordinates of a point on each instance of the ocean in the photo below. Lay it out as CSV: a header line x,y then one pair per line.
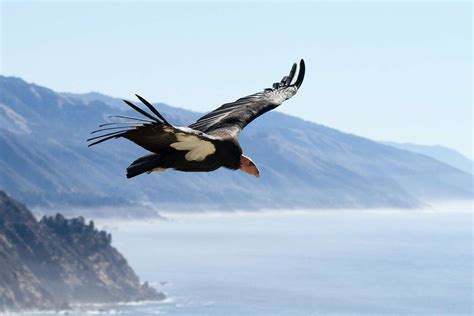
x,y
300,263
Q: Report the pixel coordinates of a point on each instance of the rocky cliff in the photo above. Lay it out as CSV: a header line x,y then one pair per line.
x,y
57,261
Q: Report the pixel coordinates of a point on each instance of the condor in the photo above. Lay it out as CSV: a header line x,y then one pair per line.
x,y
206,145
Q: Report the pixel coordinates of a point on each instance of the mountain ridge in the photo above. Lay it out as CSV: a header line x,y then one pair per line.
x,y
303,164
441,153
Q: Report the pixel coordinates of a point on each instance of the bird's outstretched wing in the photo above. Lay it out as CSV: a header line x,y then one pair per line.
x,y
154,133
230,118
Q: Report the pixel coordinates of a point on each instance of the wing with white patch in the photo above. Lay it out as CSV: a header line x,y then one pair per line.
x,y
198,148
157,135
231,118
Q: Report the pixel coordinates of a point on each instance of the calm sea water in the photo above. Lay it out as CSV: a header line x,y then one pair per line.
x,y
338,262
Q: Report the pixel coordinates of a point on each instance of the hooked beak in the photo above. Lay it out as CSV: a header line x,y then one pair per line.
x,y
247,166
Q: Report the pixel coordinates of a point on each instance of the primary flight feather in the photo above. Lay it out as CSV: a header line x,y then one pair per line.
x,y
206,145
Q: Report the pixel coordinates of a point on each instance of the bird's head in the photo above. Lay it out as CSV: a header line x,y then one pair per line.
x,y
247,166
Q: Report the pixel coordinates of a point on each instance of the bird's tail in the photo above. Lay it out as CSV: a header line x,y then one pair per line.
x,y
142,165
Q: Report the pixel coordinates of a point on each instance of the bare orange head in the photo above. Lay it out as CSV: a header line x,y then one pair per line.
x,y
247,166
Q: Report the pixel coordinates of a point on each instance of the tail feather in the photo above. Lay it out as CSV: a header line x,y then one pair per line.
x,y
142,165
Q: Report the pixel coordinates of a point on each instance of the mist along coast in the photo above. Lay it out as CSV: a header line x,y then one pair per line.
x,y
304,263
286,262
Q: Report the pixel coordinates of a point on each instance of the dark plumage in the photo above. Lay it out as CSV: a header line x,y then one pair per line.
x,y
206,145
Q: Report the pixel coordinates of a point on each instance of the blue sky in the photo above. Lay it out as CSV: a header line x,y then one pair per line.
x,y
395,71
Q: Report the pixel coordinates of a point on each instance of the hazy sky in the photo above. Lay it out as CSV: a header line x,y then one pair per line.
x,y
388,71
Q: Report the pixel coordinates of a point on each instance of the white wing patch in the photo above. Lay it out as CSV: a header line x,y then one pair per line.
x,y
197,148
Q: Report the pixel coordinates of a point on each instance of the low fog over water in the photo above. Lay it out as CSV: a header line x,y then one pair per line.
x,y
400,262
300,263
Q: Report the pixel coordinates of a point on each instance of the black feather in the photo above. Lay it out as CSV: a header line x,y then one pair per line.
x,y
291,74
103,140
136,108
118,133
153,109
132,118
118,123
124,128
301,72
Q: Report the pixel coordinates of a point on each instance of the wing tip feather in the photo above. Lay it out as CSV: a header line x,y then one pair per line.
x,y
152,109
301,73
291,75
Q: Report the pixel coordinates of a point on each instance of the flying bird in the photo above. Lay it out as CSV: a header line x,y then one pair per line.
x,y
206,145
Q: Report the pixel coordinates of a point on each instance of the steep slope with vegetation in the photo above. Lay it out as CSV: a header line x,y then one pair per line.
x,y
57,261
